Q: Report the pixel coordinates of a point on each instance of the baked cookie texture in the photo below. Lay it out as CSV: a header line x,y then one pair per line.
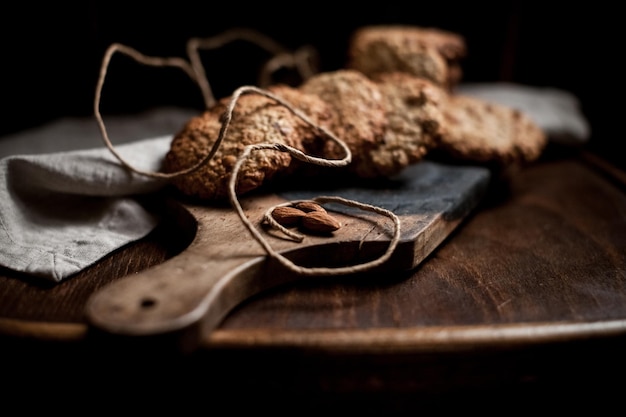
x,y
393,106
358,106
359,114
388,122
414,124
487,133
429,53
255,119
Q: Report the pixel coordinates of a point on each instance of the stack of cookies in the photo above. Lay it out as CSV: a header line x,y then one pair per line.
x,y
475,130
392,105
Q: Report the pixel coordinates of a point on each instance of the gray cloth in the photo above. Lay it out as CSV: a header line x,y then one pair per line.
x,y
73,133
62,212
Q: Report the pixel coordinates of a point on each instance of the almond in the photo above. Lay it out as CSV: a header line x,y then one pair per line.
x,y
287,216
320,222
308,206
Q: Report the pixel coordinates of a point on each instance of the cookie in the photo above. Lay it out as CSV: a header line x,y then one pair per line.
x,y
414,124
481,132
430,53
359,113
389,120
255,119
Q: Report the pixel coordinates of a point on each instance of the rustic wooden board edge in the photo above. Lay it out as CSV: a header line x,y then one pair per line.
x,y
42,331
426,339
417,339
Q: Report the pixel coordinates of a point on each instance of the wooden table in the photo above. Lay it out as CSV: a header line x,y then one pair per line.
x,y
526,301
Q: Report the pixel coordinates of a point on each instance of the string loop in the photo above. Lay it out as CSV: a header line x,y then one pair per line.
x,y
194,69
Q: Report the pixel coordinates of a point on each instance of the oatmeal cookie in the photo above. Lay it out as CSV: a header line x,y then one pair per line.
x,y
430,53
414,127
488,133
255,119
359,112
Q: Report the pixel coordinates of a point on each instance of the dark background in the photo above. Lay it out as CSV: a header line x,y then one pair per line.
x,y
51,53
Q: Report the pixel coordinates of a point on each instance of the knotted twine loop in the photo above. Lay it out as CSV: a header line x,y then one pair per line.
x,y
318,271
298,154
153,61
195,70
298,237
281,57
226,119
301,59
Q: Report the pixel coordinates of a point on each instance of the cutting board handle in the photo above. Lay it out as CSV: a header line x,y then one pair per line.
x,y
190,294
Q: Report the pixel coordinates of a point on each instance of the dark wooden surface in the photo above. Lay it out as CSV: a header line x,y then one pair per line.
x,y
525,302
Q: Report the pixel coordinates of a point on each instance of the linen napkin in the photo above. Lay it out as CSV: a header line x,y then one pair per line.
x,y
61,212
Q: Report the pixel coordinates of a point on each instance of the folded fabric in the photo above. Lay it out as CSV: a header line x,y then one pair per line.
x,y
62,212
74,133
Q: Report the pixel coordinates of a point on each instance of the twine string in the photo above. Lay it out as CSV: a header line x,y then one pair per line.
x,y
152,61
308,271
298,154
195,71
246,89
280,57
302,59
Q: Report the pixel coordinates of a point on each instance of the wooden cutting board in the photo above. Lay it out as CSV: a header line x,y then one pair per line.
x,y
191,293
527,293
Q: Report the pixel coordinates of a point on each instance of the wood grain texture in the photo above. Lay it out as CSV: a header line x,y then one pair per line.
x,y
543,257
224,265
522,307
544,254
